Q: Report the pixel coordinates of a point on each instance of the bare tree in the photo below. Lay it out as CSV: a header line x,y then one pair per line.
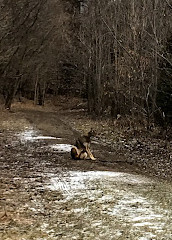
x,y
123,44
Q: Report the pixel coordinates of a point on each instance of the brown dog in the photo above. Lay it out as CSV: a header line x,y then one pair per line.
x,y
78,154
83,144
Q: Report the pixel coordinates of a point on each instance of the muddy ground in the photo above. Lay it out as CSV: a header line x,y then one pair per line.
x,y
44,195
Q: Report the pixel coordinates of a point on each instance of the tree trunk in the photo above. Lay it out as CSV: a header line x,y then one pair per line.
x,y
10,91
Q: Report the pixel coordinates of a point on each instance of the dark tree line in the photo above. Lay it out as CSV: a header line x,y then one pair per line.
x,y
127,57
35,42
115,53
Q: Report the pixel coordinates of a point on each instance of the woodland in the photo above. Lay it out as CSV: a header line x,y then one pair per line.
x,y
116,54
68,66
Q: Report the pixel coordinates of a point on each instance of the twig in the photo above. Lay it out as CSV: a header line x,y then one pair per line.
x,y
168,4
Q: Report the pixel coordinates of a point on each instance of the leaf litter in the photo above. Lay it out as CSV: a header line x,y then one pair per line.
x,y
43,195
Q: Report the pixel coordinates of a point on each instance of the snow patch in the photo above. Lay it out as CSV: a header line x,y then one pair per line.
x,y
32,135
62,147
75,180
138,211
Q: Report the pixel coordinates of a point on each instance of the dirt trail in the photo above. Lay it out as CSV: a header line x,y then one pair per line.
x,y
44,195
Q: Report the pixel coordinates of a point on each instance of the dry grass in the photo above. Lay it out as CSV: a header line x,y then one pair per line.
x,y
12,121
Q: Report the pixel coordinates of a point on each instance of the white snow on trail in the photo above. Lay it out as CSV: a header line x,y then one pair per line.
x,y
61,147
106,189
80,180
31,135
111,203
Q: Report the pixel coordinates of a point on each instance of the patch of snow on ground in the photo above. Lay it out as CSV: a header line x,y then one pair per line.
x,y
140,212
62,147
75,180
31,135
101,188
